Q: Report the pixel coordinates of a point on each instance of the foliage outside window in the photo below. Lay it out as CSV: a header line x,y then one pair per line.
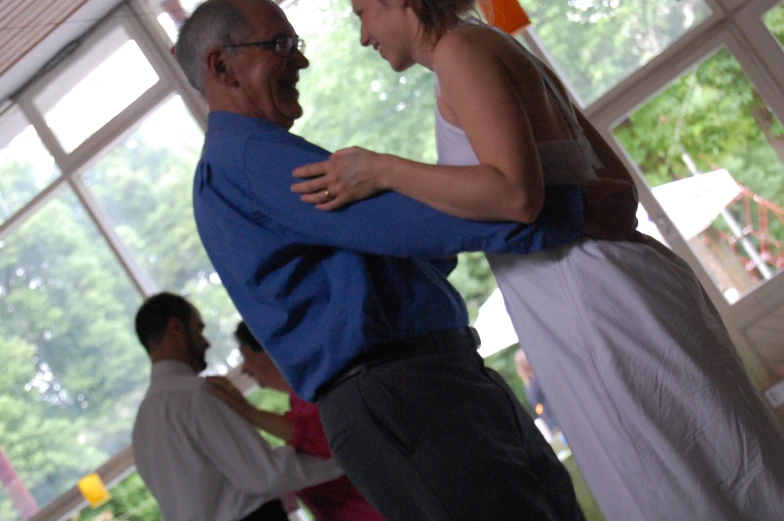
x,y
714,117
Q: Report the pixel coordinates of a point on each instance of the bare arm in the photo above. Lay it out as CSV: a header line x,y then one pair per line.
x,y
240,454
507,184
275,424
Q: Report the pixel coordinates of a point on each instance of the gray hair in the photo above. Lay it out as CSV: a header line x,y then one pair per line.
x,y
212,24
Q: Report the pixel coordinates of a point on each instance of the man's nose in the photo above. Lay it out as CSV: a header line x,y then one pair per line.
x,y
299,60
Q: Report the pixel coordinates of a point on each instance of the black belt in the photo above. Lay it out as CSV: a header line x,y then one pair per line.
x,y
443,342
270,511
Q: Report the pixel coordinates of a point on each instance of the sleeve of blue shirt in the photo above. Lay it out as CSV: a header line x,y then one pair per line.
x,y
390,223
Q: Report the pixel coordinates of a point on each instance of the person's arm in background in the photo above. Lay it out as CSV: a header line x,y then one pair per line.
x,y
243,456
301,427
275,424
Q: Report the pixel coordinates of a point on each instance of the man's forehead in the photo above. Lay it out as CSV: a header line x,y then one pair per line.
x,y
268,19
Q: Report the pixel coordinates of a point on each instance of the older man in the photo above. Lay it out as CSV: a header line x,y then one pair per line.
x,y
354,306
201,460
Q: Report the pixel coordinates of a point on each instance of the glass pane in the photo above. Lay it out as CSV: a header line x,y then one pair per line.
x,y
713,152
599,44
774,19
130,501
26,167
73,373
96,88
351,96
172,13
145,185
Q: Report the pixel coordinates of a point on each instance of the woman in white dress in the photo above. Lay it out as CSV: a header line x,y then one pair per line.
x,y
637,364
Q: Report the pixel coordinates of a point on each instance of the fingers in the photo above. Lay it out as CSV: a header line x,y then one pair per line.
x,y
333,204
307,187
346,151
318,198
311,170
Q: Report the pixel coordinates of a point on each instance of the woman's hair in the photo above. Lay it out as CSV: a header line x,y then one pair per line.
x,y
439,16
244,336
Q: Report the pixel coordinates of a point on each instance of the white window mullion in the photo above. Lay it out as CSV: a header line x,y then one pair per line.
x,y
761,42
115,130
36,203
138,276
25,103
767,77
155,46
658,73
67,504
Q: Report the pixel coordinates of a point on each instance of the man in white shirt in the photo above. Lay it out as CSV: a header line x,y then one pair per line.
x,y
201,460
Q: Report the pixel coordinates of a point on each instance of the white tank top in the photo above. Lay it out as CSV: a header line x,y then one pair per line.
x,y
563,160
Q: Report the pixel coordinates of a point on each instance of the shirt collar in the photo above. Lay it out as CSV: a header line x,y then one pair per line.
x,y
166,368
222,120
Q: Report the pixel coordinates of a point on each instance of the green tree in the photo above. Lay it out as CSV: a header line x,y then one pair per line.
x,y
597,44
714,115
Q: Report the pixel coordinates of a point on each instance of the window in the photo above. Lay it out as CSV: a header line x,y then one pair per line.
x,y
75,264
67,395
73,105
713,152
597,45
26,167
130,501
145,185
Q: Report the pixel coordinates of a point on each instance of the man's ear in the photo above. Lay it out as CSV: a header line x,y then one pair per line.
x,y
219,67
175,328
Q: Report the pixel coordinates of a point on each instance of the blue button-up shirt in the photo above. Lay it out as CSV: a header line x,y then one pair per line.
x,y
318,288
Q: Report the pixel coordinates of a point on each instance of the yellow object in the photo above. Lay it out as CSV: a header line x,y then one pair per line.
x,y
92,488
507,15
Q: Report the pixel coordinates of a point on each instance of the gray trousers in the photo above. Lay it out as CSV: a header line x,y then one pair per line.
x,y
439,437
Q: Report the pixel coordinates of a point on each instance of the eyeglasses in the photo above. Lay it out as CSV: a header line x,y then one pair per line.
x,y
283,45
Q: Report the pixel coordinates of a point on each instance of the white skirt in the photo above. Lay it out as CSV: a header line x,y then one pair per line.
x,y
645,382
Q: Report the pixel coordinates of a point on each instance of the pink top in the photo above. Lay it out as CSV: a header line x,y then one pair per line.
x,y
337,500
